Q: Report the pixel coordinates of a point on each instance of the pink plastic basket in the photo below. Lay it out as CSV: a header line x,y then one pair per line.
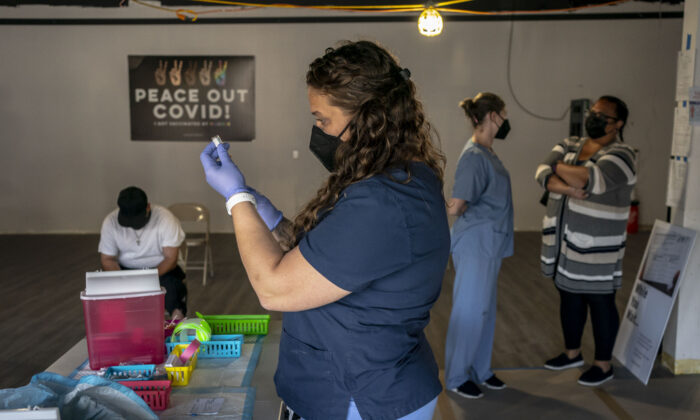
x,y
155,393
167,332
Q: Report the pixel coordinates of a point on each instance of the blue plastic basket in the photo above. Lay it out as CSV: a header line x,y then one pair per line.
x,y
220,345
130,373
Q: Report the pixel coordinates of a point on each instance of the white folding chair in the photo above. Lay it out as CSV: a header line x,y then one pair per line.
x,y
194,218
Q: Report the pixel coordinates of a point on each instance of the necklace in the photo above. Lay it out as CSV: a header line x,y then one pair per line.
x,y
138,237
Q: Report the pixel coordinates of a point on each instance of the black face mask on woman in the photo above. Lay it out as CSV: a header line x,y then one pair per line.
x,y
595,126
503,130
323,146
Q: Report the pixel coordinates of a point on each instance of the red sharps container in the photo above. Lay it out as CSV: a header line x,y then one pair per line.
x,y
124,316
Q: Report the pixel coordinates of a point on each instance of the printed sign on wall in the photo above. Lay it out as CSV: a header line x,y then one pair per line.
x,y
192,98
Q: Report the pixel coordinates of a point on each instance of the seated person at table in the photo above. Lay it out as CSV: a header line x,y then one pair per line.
x,y
139,235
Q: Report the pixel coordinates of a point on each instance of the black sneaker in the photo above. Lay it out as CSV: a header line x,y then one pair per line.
x,y
562,362
595,376
494,383
468,390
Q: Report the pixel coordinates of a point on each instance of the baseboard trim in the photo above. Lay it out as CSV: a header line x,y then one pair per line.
x,y
680,367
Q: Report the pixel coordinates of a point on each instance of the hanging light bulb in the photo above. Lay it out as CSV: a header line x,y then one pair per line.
x,y
430,22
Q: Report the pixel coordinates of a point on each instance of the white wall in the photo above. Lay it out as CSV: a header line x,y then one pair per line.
x,y
682,337
64,110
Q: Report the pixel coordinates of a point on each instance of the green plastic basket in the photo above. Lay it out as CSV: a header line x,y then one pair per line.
x,y
238,324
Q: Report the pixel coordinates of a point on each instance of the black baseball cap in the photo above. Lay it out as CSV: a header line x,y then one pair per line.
x,y
133,208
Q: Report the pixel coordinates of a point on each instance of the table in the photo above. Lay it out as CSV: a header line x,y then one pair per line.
x,y
255,385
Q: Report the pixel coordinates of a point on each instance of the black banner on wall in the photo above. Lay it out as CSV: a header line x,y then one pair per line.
x,y
192,98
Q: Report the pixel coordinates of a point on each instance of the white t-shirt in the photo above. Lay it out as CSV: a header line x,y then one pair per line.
x,y
141,248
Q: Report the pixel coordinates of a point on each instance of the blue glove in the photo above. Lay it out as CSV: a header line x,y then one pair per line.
x,y
267,211
223,175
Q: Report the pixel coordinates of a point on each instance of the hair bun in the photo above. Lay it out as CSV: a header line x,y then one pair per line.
x,y
467,105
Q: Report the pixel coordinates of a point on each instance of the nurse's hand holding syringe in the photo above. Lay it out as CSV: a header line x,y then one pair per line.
x,y
228,180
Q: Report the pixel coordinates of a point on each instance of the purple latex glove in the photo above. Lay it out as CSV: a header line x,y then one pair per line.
x,y
223,175
267,211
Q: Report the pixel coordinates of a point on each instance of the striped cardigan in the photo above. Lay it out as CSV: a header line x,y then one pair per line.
x,y
583,241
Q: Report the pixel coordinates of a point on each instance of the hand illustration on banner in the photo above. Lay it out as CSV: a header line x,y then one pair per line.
x,y
205,72
191,73
175,72
220,73
160,72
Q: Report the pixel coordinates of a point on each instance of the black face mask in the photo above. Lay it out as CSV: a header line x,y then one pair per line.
x,y
503,130
595,126
323,146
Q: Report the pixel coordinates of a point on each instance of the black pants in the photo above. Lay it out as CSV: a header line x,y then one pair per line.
x,y
175,289
573,312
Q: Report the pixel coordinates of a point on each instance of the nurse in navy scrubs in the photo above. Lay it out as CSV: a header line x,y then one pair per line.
x,y
358,270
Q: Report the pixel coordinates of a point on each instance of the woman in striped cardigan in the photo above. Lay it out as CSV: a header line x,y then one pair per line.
x,y
590,181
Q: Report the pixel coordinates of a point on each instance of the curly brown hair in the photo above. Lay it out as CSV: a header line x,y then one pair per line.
x,y
388,128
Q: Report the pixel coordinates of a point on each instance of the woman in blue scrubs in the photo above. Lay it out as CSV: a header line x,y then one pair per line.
x,y
358,270
482,236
